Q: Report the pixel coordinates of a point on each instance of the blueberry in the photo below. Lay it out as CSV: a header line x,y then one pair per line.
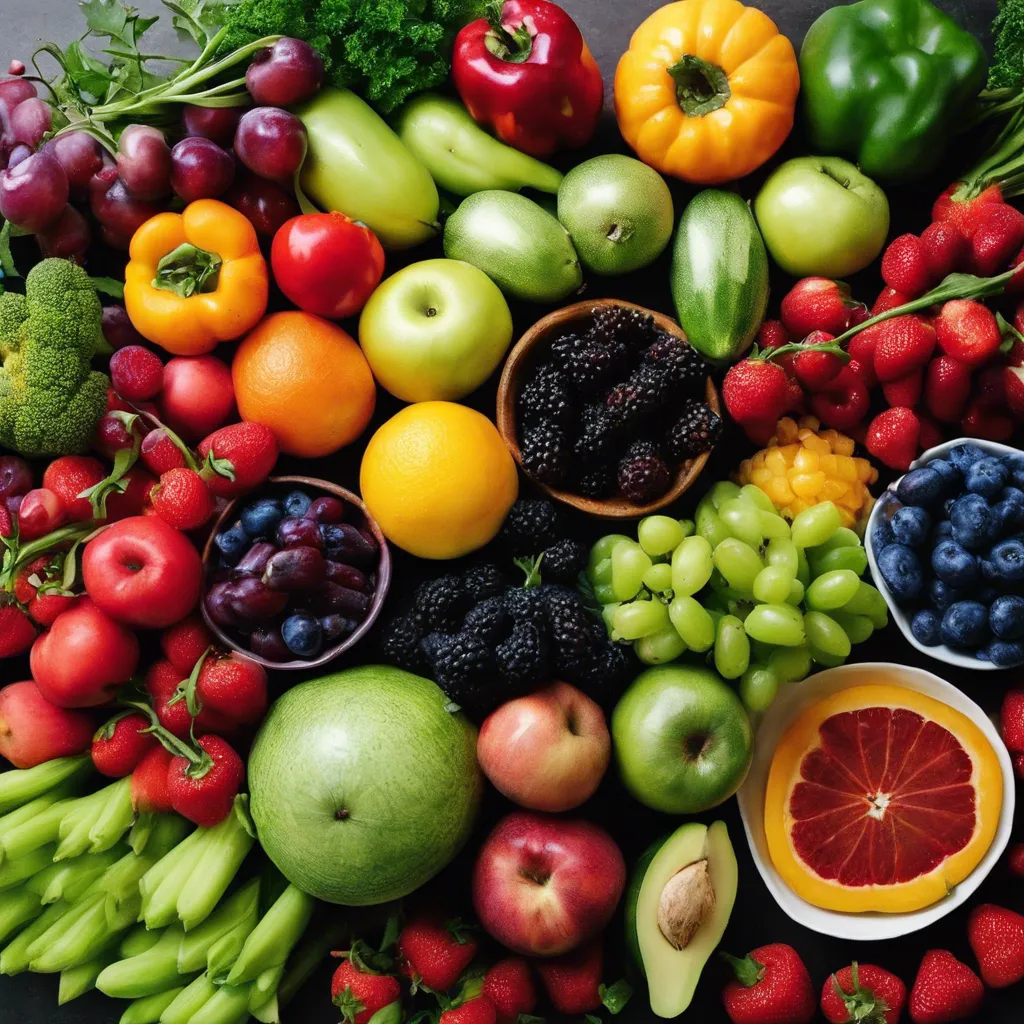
x,y
986,595
942,530
232,543
901,571
260,518
923,487
926,627
881,534
986,477
969,515
965,455
965,624
296,503
943,595
1008,512
1004,654
302,634
1005,562
910,526
952,478
1015,464
1006,617
955,565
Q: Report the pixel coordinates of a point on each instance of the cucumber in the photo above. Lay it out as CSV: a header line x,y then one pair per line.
x,y
719,275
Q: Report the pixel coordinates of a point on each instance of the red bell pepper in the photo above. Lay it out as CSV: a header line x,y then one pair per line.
x,y
526,72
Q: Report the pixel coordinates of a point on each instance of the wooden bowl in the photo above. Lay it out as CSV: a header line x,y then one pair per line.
x,y
383,580
520,363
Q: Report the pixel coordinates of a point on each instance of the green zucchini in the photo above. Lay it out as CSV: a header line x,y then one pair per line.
x,y
719,275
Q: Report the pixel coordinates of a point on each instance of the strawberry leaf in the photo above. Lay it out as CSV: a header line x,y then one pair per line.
x,y
391,932
615,996
390,1014
592,1018
186,689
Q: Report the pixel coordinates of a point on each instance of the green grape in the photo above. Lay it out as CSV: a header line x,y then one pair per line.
x,y
692,564
854,559
689,527
738,603
772,584
791,664
743,520
803,569
709,526
658,535
782,553
824,659
857,627
604,593
739,563
760,652
779,624
638,618
757,497
868,601
832,590
796,593
879,616
602,572
608,614
658,578
629,563
732,648
815,525
722,491
842,538
657,648
694,624
758,688
774,526
826,635
604,547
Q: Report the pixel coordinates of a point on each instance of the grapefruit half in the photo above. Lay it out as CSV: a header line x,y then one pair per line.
x,y
880,798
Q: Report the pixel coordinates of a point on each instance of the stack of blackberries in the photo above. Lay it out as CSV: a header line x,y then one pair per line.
x,y
486,639
615,409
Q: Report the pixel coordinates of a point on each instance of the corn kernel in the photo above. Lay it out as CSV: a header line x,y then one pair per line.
x,y
806,461
834,490
816,444
810,423
778,489
757,460
807,485
798,506
864,470
843,445
830,436
846,468
846,518
775,461
761,476
829,465
785,430
789,452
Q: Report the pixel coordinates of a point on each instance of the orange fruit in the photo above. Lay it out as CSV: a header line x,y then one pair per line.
x,y
438,479
307,380
880,798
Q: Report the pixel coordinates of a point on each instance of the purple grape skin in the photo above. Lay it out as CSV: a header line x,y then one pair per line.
x,y
218,605
348,576
267,643
251,600
215,123
295,532
271,142
254,561
333,598
300,568
336,627
326,509
286,73
200,169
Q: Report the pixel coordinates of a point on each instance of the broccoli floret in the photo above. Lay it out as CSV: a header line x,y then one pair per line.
x,y
50,397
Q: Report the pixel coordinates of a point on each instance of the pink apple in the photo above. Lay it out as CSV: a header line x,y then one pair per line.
x,y
32,730
544,885
548,751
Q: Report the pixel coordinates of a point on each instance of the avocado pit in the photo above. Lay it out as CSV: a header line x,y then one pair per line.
x,y
687,901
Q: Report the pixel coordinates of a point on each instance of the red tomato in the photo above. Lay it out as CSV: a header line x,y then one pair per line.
x,y
326,263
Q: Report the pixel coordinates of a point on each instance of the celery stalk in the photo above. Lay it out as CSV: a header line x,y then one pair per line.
x,y
14,959
69,879
273,938
161,908
225,951
141,831
17,908
223,851
29,812
266,984
148,1009
67,921
242,905
268,1012
19,787
189,1001
154,878
137,941
83,939
76,981
116,818
308,956
226,1005
147,974
77,823
14,872
37,831
169,831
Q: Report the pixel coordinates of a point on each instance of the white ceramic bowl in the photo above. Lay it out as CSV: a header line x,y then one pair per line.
x,y
902,619
792,700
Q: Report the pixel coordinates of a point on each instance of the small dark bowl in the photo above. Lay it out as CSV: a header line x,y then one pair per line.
x,y
380,589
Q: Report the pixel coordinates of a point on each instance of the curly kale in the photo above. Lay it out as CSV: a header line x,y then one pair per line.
x,y
386,50
1007,68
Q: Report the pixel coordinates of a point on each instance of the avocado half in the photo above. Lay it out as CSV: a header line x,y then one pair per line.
x,y
683,885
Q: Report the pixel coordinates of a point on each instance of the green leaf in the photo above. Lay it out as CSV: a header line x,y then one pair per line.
x,y
200,20
115,481
616,996
90,77
108,286
6,259
591,1018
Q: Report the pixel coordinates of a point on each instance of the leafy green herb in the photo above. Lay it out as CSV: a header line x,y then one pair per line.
x,y
1007,68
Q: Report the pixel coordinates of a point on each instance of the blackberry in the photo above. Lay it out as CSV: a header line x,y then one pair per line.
x,y
564,561
464,668
430,645
441,603
546,396
526,604
489,621
482,581
574,637
592,368
646,392
629,326
560,598
643,474
400,643
596,481
679,362
545,453
532,524
597,435
696,431
611,671
564,347
522,659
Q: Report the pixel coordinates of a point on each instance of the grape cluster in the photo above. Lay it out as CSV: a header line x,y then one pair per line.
x,y
762,598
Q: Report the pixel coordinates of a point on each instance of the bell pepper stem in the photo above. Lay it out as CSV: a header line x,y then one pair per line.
x,y
701,87
187,270
512,46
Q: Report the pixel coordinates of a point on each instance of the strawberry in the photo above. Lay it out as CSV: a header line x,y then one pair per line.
x,y
434,952
986,423
945,249
998,235
38,569
67,477
1015,859
964,213
120,744
232,686
861,349
968,331
149,782
944,990
17,631
815,370
772,334
816,304
159,453
1011,719
138,484
183,643
996,936
203,788
573,980
510,988
947,386
360,992
6,522
162,682
888,298
904,344
479,1010
238,458
756,390
1013,386
906,390
40,512
115,404
44,608
905,266
136,373
1018,765
893,437
863,992
771,986
931,435
844,402
182,499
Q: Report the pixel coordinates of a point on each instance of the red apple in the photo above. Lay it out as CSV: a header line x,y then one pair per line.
x,y
544,885
548,751
83,658
32,730
143,572
198,395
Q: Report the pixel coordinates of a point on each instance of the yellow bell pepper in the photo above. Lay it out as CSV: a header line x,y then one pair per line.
x,y
706,91
195,278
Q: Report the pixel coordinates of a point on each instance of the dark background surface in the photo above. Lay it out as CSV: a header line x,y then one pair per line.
x,y
756,919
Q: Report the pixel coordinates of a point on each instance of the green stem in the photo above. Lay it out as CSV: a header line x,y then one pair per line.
x,y
14,872
831,348
308,956
155,876
189,1001
116,818
150,1009
77,823
17,909
18,828
747,970
72,942
76,981
43,546
224,953
170,742
147,974
273,938
15,959
228,1003
69,879
20,786
240,908
161,907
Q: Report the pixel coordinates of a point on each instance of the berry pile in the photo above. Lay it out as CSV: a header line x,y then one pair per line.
x,y
592,417
295,574
485,640
950,544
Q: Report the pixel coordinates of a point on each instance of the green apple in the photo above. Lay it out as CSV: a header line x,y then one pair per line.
x,y
435,331
682,739
820,216
618,212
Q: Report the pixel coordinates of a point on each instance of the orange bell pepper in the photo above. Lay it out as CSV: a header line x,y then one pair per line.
x,y
195,278
706,91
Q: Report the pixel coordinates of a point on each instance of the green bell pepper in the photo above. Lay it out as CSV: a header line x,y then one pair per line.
x,y
884,82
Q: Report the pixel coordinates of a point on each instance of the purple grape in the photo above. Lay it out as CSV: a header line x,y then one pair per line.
x,y
19,154
336,627
345,543
80,156
347,576
218,605
15,476
215,123
30,121
251,600
12,92
288,72
270,142
67,237
332,598
254,561
13,503
200,169
33,194
265,203
300,568
267,643
144,162
119,212
293,532
327,509
118,329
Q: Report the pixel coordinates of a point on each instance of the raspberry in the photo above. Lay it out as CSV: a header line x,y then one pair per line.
x,y
643,473
905,266
136,373
182,499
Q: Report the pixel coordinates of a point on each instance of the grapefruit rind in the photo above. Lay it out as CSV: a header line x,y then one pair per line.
x,y
803,735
